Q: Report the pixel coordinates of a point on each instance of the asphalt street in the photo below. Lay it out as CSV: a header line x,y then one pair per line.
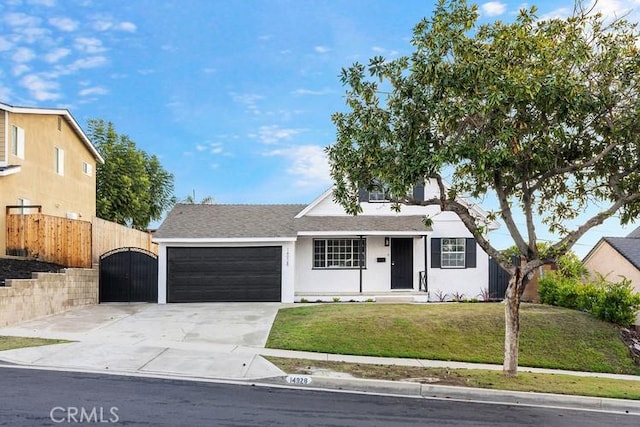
x,y
37,397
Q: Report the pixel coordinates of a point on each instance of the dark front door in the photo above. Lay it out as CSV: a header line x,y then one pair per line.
x,y
129,275
402,263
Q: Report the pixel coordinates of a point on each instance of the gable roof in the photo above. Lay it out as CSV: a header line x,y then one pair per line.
x,y
629,248
57,112
635,234
197,221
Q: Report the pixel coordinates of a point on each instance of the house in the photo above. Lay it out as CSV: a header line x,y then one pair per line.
x,y
293,253
47,163
615,257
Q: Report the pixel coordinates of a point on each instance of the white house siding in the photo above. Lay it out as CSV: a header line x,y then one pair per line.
x,y
469,282
376,277
288,262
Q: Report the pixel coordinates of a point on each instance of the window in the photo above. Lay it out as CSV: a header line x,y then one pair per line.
x,y
453,251
23,202
17,141
87,169
338,253
59,165
379,193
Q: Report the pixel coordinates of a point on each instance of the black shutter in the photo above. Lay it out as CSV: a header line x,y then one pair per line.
x,y
363,195
418,192
470,253
436,248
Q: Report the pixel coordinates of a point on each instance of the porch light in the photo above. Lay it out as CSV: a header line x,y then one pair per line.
x,y
386,241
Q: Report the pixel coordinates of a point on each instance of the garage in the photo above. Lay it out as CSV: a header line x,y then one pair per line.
x,y
224,274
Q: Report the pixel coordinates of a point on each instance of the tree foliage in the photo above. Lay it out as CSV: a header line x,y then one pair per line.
x,y
540,114
132,187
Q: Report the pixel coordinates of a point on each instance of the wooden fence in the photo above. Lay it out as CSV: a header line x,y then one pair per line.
x,y
69,242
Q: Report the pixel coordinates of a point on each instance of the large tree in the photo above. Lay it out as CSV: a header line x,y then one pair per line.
x,y
543,115
132,187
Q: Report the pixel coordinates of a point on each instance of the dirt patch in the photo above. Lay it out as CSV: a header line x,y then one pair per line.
x,y
11,268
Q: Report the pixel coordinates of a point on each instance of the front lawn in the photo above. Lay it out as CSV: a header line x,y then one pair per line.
x,y
10,343
551,337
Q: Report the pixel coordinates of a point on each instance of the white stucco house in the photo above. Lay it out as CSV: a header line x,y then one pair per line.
x,y
312,252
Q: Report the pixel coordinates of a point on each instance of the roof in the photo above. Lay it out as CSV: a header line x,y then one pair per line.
x,y
57,112
629,248
201,221
635,234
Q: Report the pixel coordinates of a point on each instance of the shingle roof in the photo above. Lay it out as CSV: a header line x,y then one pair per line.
x,y
193,221
362,223
635,234
627,247
196,221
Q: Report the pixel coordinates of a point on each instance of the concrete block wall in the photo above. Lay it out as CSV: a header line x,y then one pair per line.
x,y
46,294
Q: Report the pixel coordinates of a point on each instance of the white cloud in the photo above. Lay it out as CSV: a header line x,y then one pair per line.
x,y
56,54
559,13
126,26
249,100
41,89
215,148
5,44
309,165
89,45
321,49
96,90
614,9
274,134
493,8
21,20
384,51
105,25
64,24
302,92
23,54
48,3
20,69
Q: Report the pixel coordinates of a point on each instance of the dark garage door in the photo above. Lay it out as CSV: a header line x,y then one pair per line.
x,y
224,274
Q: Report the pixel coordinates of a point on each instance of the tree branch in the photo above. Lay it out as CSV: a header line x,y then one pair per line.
x,y
507,215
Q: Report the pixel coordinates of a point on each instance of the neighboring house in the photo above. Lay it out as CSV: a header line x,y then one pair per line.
x,y
46,160
615,257
293,252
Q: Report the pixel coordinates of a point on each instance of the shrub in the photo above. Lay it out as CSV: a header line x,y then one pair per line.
x,y
617,303
613,302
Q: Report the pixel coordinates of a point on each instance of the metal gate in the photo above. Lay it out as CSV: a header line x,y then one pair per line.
x,y
499,278
129,275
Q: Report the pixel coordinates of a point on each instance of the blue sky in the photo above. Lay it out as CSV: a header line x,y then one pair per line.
x,y
234,97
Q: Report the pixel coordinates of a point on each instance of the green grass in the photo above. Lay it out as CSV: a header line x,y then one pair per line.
x,y
10,343
525,381
551,337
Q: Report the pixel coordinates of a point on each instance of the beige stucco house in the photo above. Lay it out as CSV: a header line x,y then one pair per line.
x,y
615,257
46,160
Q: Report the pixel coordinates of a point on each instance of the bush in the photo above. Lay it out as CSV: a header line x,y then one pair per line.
x,y
614,302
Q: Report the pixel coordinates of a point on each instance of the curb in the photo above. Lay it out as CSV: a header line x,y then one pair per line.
x,y
470,394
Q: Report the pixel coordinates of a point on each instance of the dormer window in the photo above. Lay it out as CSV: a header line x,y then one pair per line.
x,y
379,192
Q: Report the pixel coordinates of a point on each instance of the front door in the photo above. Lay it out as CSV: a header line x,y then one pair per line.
x,y
402,263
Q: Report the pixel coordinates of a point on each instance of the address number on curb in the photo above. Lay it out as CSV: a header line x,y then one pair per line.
x,y
298,379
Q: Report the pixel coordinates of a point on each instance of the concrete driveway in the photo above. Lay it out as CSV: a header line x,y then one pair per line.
x,y
209,340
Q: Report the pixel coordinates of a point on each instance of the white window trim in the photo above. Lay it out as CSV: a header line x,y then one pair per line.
x,y
355,265
455,252
59,161
17,141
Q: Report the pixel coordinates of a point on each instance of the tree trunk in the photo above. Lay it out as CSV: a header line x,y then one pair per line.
x,y
512,324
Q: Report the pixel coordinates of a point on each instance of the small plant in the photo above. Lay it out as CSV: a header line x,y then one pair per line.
x,y
369,300
485,294
336,299
457,297
304,300
440,295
